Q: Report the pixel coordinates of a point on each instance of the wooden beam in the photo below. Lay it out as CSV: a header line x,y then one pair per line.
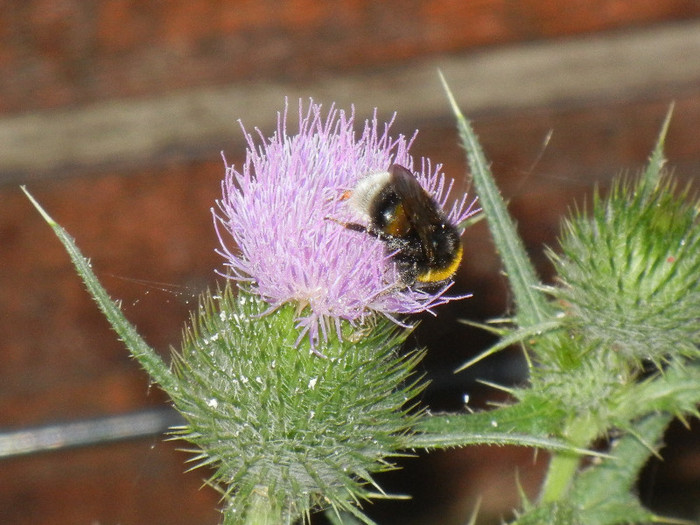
x,y
622,64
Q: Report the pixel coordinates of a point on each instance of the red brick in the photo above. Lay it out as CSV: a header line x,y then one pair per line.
x,y
69,52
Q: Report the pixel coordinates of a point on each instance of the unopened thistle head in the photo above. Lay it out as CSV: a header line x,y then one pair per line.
x,y
629,272
284,208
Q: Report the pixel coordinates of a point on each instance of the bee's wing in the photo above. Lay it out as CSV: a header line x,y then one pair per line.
x,y
421,210
419,206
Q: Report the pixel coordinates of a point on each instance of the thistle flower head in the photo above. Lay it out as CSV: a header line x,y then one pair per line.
x,y
629,272
283,209
279,425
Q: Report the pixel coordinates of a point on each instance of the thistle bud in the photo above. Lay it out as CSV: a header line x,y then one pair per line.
x,y
630,272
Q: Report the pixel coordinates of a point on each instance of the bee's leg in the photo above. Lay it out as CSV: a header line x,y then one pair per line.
x,y
355,227
363,229
405,265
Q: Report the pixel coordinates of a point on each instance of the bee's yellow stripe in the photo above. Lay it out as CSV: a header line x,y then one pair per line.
x,y
435,275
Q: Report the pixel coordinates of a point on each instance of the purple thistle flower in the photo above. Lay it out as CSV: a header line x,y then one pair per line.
x,y
277,209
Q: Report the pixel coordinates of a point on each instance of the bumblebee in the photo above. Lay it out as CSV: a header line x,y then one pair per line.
x,y
424,245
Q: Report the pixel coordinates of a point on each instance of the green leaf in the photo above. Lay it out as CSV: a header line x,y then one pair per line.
x,y
657,160
147,356
676,390
522,424
531,305
513,337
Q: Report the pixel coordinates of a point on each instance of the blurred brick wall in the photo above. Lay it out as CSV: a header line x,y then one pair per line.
x,y
146,224
57,53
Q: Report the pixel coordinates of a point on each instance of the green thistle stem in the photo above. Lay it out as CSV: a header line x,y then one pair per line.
x,y
562,469
564,465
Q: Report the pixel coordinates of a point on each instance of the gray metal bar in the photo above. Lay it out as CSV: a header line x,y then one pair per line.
x,y
60,436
